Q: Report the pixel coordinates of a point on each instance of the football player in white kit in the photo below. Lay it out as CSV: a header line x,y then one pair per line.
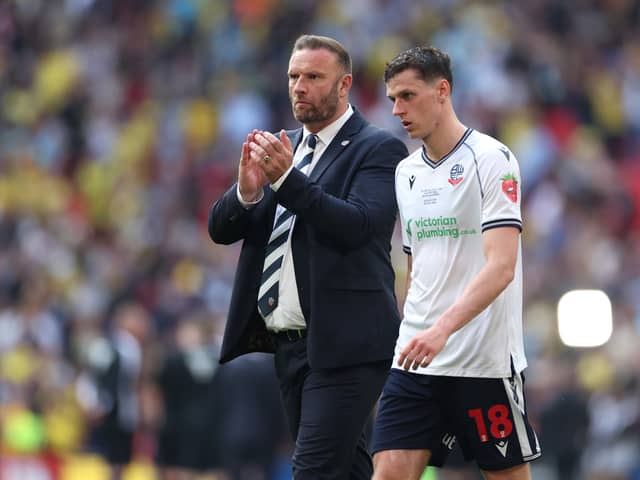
x,y
459,357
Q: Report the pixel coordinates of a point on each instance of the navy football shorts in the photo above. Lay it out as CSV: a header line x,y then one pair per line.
x,y
485,416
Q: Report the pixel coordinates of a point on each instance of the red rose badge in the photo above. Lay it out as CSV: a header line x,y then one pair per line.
x,y
510,186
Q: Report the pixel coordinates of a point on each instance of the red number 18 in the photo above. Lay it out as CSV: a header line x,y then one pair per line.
x,y
499,424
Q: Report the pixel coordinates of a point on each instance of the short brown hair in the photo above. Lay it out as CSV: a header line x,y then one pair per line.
x,y
314,42
428,62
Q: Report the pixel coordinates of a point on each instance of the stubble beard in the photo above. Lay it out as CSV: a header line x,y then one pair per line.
x,y
325,110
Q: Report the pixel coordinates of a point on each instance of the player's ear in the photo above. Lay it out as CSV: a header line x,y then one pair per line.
x,y
443,89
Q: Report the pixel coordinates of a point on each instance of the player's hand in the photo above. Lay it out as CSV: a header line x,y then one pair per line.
x,y
422,348
272,154
251,178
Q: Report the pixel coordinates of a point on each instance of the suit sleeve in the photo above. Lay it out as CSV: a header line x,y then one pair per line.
x,y
405,226
228,219
368,208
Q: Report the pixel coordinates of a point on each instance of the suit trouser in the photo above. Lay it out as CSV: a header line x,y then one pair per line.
x,y
327,410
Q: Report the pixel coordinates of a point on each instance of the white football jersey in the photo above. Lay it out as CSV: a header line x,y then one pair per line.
x,y
444,208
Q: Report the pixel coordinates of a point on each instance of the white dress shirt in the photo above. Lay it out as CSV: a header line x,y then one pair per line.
x,y
288,314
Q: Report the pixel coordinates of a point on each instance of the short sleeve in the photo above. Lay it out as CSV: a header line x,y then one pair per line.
x,y
501,190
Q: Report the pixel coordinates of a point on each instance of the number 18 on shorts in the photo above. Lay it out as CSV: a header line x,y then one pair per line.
x,y
485,416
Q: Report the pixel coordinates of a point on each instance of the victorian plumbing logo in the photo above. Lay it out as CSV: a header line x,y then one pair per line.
x,y
434,227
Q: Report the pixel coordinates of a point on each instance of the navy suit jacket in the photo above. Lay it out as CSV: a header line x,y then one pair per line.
x,y
341,241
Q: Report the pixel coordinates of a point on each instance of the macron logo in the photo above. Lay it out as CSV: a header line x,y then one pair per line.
x,y
502,447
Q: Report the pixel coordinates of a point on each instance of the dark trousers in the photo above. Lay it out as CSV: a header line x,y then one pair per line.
x,y
327,410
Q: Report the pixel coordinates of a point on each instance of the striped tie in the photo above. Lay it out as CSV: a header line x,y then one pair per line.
x,y
277,245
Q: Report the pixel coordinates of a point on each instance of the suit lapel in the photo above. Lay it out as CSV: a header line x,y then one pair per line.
x,y
341,141
296,137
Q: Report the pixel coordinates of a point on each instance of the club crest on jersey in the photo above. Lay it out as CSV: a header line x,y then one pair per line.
x,y
455,175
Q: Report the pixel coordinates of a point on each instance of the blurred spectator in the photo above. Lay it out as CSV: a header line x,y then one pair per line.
x,y
191,392
614,433
28,319
564,422
110,390
253,424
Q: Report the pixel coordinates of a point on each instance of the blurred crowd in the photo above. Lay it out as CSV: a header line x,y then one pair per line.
x,y
121,122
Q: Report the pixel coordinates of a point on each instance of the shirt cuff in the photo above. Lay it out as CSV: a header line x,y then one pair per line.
x,y
278,183
245,204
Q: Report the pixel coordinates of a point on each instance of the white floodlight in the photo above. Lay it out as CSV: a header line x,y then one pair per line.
x,y
585,318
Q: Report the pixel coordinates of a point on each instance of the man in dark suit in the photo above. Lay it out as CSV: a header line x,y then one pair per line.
x,y
316,210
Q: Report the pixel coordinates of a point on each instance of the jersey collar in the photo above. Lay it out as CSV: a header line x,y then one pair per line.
x,y
433,164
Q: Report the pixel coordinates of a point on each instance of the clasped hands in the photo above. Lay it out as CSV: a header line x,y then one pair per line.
x,y
265,158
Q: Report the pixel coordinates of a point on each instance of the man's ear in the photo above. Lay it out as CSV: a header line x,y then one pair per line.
x,y
443,89
345,84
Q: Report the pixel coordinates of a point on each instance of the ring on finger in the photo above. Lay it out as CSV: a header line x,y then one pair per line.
x,y
266,158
